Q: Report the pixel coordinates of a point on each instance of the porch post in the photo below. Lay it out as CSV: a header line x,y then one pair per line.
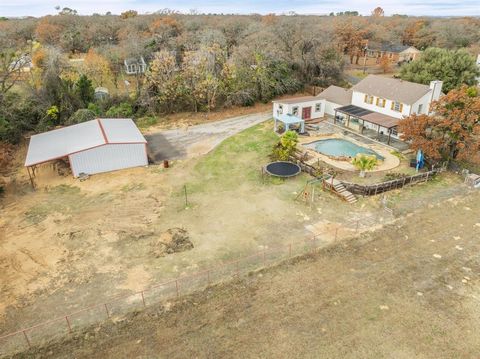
x,y
302,127
363,126
348,121
378,133
335,117
275,124
389,135
31,179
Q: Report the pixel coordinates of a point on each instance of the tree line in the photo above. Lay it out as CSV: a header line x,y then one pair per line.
x,y
196,62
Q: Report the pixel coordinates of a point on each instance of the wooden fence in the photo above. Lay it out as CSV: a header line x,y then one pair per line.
x,y
373,189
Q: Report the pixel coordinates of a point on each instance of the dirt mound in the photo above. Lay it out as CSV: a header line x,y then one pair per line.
x,y
172,241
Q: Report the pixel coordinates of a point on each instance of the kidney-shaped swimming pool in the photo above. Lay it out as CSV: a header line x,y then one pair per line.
x,y
337,147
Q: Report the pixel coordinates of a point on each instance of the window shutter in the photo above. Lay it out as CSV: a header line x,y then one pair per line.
x,y
393,105
401,107
377,101
365,99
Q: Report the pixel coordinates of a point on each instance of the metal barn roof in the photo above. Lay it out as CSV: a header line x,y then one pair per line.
x,y
65,141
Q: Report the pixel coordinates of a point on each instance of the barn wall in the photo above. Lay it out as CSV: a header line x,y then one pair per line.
x,y
107,158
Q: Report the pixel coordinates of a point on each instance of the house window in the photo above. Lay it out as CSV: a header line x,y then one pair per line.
x,y
318,107
368,99
280,109
420,108
381,102
397,106
295,111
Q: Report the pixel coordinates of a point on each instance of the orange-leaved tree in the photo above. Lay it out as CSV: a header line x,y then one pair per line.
x,y
452,129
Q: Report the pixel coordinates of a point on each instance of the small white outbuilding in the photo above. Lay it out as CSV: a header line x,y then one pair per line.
x,y
96,146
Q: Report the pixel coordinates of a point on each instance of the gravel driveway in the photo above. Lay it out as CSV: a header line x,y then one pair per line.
x,y
198,140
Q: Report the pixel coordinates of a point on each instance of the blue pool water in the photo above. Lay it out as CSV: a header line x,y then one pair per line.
x,y
341,148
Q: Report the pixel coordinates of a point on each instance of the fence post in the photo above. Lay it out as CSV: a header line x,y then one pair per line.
x,y
143,299
106,310
68,323
176,287
26,338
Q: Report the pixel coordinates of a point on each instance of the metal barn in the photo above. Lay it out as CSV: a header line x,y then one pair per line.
x,y
96,146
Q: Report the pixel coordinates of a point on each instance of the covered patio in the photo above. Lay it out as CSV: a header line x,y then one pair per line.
x,y
287,121
377,123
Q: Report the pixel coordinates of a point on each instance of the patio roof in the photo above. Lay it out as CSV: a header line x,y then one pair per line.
x,y
289,119
376,118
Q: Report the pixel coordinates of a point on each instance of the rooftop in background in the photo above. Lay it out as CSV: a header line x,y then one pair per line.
x,y
396,48
65,141
338,95
392,89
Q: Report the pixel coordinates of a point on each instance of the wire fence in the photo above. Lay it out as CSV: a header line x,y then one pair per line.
x,y
114,307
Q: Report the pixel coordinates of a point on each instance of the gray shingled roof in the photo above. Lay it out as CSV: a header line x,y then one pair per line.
x,y
297,100
337,95
392,89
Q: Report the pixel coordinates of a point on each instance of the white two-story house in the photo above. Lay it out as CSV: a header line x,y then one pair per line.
x,y
379,103
376,103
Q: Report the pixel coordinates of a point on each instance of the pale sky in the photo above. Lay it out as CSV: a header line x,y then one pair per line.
x,y
86,7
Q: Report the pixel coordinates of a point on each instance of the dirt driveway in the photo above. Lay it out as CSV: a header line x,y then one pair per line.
x,y
197,140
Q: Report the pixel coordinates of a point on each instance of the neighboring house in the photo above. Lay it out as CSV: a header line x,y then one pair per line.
x,y
376,103
23,64
135,66
305,108
396,53
478,65
101,93
91,147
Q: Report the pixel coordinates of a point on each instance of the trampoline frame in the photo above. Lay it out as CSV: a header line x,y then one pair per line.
x,y
279,175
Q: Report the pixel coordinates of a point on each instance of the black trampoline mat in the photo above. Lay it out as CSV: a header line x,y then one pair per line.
x,y
283,169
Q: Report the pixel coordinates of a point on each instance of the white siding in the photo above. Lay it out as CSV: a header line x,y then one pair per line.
x,y
288,108
358,100
108,158
425,102
330,108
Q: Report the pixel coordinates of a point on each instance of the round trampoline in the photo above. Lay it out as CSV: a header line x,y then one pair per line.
x,y
282,169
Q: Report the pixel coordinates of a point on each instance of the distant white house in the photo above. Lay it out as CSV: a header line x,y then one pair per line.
x,y
478,65
101,93
376,103
23,64
135,65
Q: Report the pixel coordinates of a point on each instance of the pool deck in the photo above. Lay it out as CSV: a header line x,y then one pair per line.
x,y
390,161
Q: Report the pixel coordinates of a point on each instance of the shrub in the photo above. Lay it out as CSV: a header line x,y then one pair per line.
x,y
123,110
285,147
82,115
147,121
364,163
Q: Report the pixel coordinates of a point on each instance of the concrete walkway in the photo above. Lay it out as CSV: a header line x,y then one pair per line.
x,y
200,139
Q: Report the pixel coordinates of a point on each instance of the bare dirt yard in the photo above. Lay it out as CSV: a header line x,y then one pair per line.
x,y
71,244
408,290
